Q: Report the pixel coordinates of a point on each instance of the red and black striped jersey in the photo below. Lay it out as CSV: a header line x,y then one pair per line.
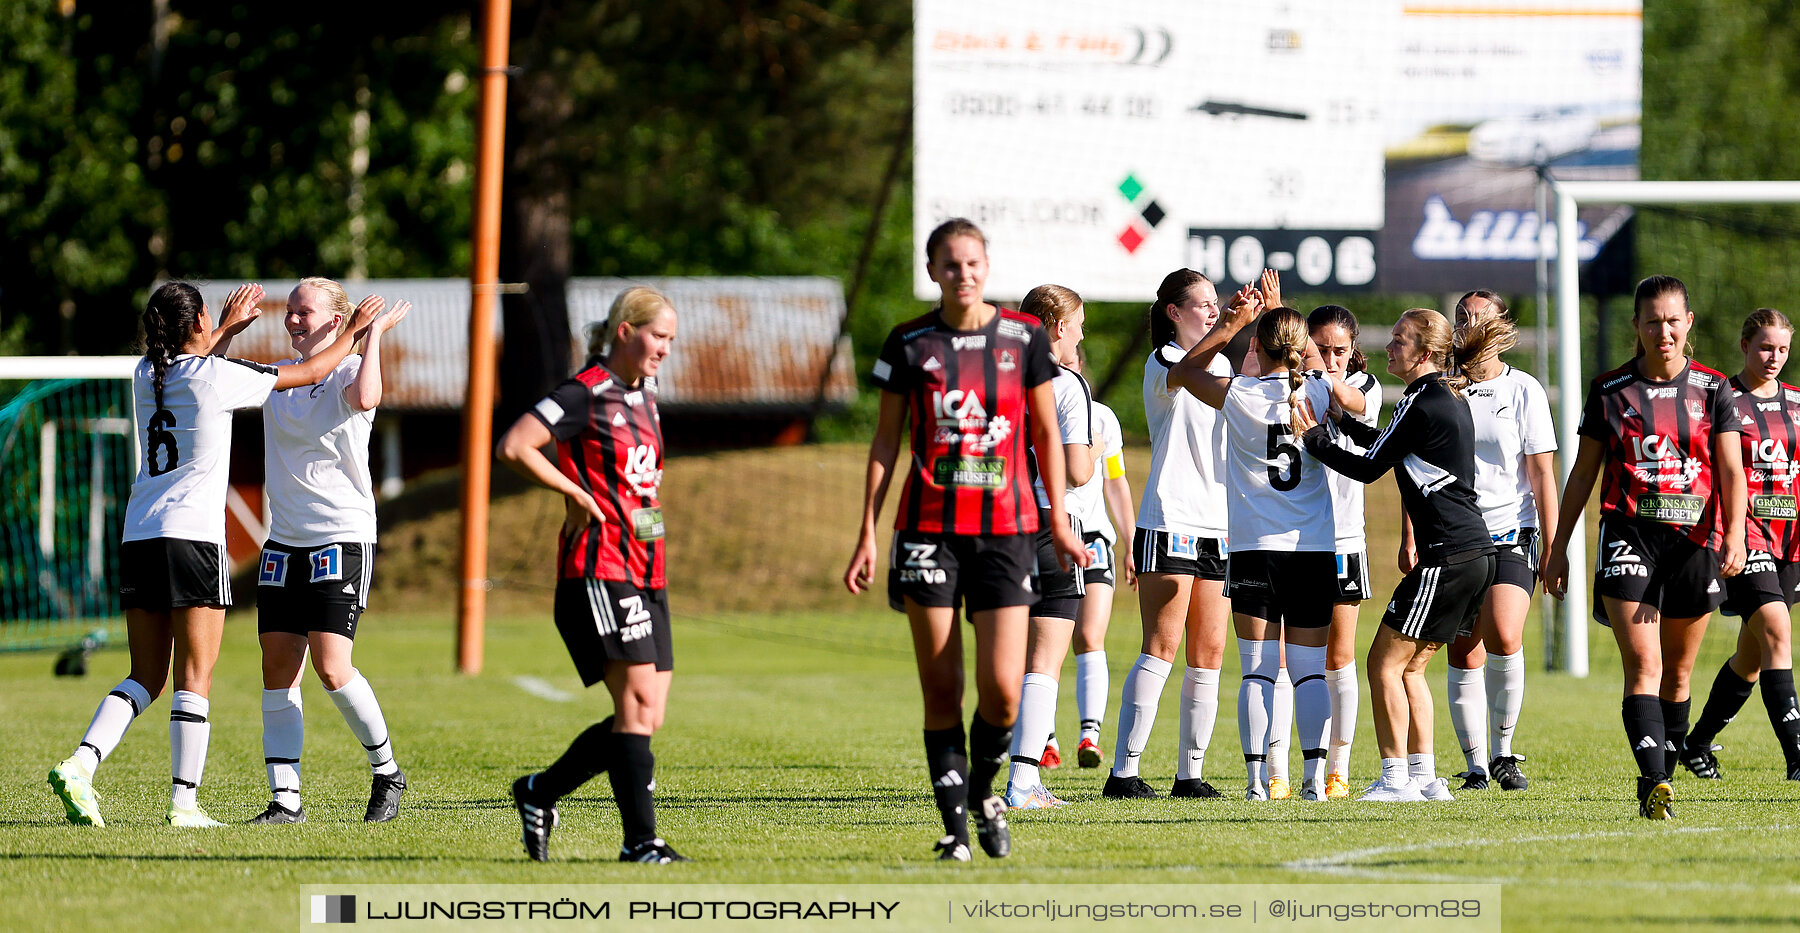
x,y
1771,434
967,396
609,440
1658,441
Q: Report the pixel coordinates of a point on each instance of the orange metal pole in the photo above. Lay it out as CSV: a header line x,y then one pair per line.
x,y
484,283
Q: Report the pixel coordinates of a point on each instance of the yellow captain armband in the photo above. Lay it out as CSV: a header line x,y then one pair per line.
x,y
1115,465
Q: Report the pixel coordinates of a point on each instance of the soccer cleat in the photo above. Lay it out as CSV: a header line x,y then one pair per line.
x,y
75,788
1311,792
1279,789
1087,754
1128,788
1256,793
1473,779
538,819
276,814
1337,786
1505,769
1794,772
1436,789
384,797
952,849
990,828
190,818
1051,758
1194,787
1383,792
1657,805
1700,760
652,852
1036,797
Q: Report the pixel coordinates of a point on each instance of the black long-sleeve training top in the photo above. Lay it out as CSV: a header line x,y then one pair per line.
x,y
1432,439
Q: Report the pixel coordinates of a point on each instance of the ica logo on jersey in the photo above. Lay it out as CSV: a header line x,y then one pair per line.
x,y
641,470
963,420
1657,455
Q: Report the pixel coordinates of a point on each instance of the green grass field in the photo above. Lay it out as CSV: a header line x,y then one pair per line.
x,y
792,755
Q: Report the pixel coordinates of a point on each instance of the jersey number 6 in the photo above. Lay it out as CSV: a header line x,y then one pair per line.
x,y
1280,445
160,438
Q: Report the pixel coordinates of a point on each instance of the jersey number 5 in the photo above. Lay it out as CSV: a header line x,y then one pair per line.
x,y
1281,445
160,439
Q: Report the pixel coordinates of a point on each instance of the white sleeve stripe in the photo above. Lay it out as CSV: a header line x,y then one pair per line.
x,y
1400,411
549,410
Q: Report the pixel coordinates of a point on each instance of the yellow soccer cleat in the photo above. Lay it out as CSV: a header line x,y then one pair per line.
x,y
190,818
74,786
1337,786
1279,790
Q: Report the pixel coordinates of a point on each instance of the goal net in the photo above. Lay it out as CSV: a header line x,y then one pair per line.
x,y
68,454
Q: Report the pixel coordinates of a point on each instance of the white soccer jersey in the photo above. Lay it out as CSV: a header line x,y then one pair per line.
x,y
1074,419
1512,421
1278,495
1346,493
180,487
1087,502
1184,493
316,460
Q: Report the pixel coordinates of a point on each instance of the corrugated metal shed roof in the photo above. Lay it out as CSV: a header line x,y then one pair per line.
x,y
744,343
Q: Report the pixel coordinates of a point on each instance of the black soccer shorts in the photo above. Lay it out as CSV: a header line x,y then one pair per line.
x,y
609,620
1174,552
1440,603
1517,559
1100,560
1764,580
1290,587
159,574
977,572
1650,562
324,588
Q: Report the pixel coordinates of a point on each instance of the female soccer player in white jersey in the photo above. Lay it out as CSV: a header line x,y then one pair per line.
x,y
1334,332
1178,551
1107,491
176,577
1060,589
313,583
1283,535
1515,486
1432,440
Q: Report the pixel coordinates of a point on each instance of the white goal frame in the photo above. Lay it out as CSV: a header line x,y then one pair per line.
x,y
1569,195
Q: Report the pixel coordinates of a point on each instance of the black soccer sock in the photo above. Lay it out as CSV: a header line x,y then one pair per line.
x,y
586,757
948,765
1784,712
987,752
1728,695
1675,732
633,778
1644,731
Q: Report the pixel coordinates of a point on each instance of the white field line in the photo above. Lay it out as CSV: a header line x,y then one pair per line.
x,y
542,689
1343,864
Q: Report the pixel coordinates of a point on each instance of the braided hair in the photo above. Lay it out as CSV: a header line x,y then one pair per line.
x,y
168,322
1282,335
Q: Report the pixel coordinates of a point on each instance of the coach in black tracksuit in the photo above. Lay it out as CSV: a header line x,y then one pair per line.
x,y
1431,439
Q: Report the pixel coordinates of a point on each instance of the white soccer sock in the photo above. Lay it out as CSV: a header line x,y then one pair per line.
x,y
1281,725
1199,713
284,734
1090,691
1468,714
1506,695
1345,692
115,714
188,734
1421,767
1394,772
1260,661
356,700
1138,698
1311,707
1037,714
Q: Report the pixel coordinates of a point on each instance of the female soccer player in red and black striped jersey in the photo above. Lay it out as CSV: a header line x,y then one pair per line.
x,y
1658,432
1515,485
611,607
1763,595
972,379
1432,440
